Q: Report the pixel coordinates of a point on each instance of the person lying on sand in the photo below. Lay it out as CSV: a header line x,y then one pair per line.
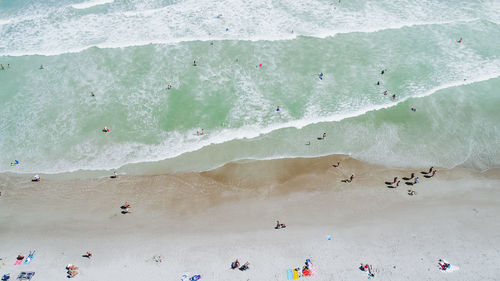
x,y
72,273
443,264
336,165
279,225
126,211
370,271
235,264
20,257
245,266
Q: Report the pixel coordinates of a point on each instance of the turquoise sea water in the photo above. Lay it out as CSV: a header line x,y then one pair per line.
x,y
127,52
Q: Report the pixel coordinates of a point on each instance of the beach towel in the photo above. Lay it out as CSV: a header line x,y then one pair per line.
x,y
295,274
289,274
185,276
29,258
195,278
29,275
18,262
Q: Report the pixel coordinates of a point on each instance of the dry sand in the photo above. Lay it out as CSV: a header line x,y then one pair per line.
x,y
200,222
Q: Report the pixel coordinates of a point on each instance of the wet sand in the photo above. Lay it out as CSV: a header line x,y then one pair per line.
x,y
200,222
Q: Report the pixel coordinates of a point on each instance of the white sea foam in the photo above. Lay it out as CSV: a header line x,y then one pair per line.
x,y
57,33
88,4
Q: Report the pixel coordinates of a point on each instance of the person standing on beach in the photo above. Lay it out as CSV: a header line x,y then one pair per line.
x,y
412,175
430,170
395,180
416,180
351,178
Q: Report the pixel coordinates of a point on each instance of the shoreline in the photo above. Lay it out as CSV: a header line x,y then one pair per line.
x,y
201,222
155,169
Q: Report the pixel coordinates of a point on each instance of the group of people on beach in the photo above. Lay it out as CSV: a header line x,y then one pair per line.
x,y
126,208
72,270
412,180
369,269
236,264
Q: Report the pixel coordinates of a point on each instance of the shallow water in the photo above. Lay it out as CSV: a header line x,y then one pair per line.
x,y
128,52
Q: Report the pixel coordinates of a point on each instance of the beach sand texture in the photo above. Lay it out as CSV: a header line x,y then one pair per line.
x,y
200,222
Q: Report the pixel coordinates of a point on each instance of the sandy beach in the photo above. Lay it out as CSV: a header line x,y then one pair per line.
x,y
200,222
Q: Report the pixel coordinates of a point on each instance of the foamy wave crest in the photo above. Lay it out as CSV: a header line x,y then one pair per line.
x,y
63,31
89,4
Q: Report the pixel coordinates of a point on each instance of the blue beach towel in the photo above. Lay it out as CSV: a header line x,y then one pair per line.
x,y
195,278
289,274
29,258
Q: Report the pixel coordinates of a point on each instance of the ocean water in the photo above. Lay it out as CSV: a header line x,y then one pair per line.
x,y
252,56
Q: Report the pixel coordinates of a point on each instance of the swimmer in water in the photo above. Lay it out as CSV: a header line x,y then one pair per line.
x,y
394,97
169,87
1,66
320,76
202,131
385,93
413,109
278,108
378,83
460,41
194,63
41,66
383,71
92,94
